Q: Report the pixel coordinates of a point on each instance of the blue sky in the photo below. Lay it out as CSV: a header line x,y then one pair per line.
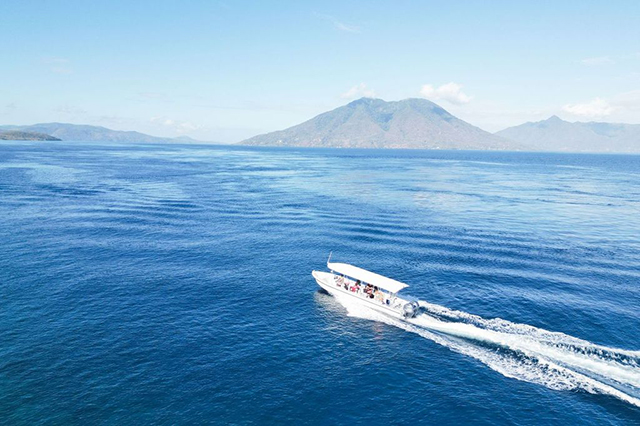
x,y
226,70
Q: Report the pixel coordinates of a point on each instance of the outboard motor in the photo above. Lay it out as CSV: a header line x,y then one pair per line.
x,y
410,309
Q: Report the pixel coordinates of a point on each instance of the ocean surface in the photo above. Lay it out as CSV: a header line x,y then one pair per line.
x,y
169,285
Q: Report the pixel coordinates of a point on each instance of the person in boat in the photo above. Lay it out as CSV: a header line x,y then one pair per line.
x,y
374,292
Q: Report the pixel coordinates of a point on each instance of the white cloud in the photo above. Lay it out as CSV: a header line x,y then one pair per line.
x,y
600,60
450,92
162,121
623,107
596,108
175,125
339,25
358,91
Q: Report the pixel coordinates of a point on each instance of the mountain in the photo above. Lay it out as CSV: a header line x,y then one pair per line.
x,y
555,134
86,133
374,123
18,135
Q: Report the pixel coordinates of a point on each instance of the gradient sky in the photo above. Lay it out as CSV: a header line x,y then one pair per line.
x,y
228,70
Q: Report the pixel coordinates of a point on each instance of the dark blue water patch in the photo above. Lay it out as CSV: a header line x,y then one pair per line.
x,y
171,284
67,191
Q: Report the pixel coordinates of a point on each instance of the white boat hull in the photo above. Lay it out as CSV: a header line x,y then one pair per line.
x,y
326,281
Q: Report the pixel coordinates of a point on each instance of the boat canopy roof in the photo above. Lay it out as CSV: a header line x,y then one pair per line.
x,y
369,277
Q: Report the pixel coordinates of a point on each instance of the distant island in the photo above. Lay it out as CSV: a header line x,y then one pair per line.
x,y
18,135
421,124
374,123
555,134
86,133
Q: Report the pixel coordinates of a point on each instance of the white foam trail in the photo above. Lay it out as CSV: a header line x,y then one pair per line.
x,y
555,360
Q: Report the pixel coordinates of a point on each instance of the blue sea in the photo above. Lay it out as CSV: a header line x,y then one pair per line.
x,y
171,285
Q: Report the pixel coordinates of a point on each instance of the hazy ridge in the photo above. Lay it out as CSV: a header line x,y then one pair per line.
x,y
83,132
555,134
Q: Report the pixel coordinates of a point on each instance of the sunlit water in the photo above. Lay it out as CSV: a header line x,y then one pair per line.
x,y
172,285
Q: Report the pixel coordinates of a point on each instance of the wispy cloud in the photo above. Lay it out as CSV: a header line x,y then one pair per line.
x,y
161,97
627,102
58,65
178,126
337,24
596,108
599,60
358,91
152,95
70,110
116,120
450,92
8,108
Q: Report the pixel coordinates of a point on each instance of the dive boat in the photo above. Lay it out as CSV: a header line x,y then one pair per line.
x,y
368,288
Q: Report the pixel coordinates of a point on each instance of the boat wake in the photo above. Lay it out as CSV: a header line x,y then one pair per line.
x,y
524,352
